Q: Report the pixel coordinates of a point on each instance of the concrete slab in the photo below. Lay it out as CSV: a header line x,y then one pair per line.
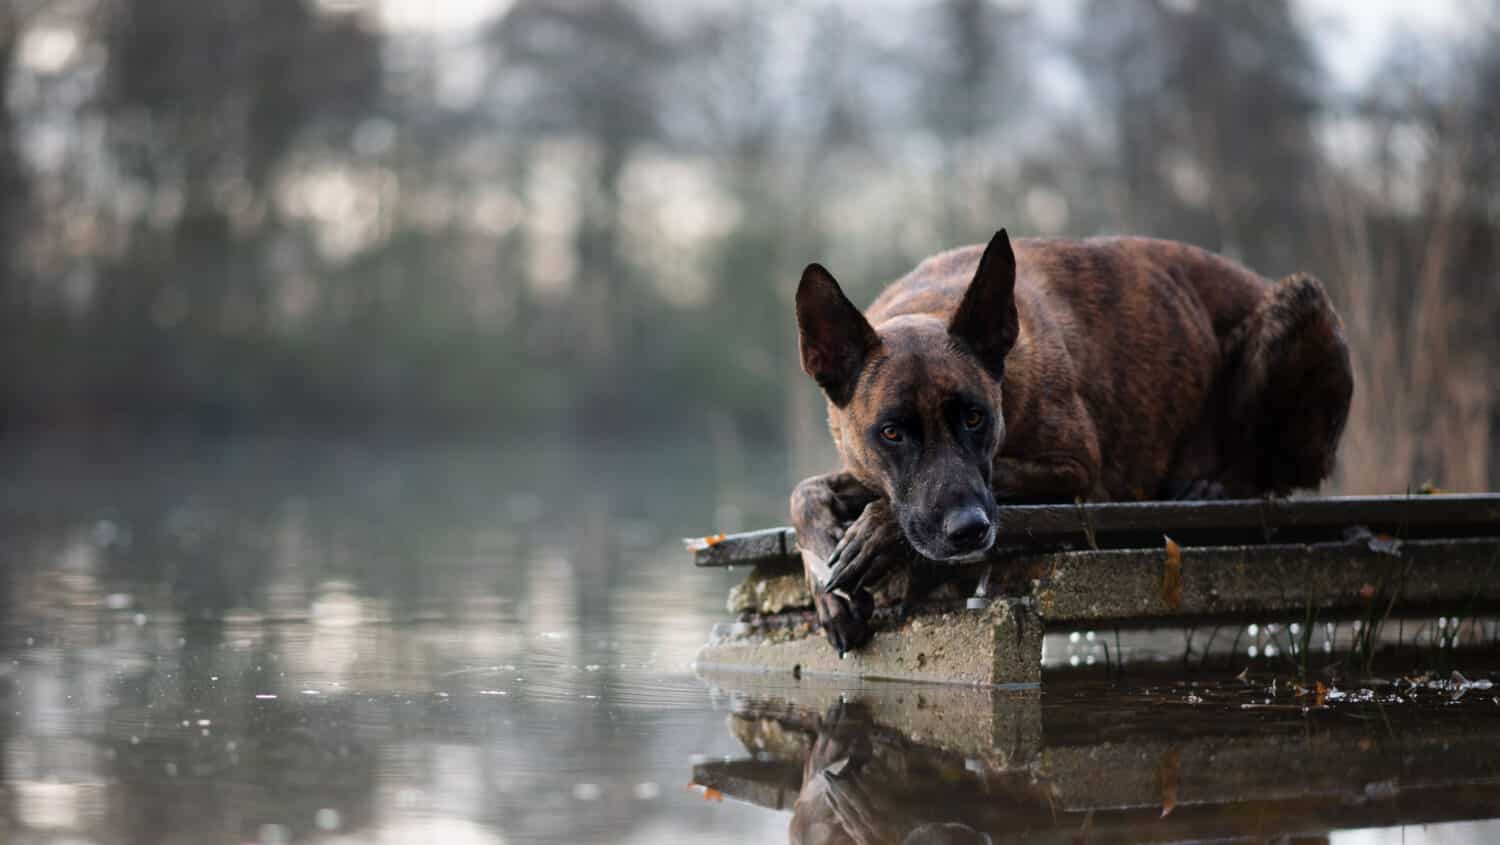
x,y
1235,581
1000,644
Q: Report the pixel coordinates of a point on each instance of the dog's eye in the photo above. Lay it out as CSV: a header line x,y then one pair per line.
x,y
891,434
973,419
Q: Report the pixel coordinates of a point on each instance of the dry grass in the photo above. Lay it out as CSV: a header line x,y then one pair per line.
x,y
1422,399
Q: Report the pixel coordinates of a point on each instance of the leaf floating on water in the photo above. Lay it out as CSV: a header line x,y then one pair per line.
x,y
1171,578
708,792
1385,544
698,544
1458,684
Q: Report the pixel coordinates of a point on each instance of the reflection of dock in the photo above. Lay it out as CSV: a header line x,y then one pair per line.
x,y
1109,564
893,758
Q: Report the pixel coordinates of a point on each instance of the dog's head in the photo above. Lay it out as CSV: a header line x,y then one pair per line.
x,y
914,405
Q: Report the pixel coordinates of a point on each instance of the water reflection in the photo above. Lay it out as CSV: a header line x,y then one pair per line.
x,y
334,644
330,644
1083,761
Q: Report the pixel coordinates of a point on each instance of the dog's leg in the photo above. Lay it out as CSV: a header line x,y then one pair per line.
x,y
1048,480
825,509
1289,391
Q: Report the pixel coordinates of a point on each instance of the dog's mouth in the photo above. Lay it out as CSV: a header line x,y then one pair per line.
x,y
942,550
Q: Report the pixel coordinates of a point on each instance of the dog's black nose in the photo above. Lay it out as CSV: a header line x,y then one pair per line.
x,y
967,527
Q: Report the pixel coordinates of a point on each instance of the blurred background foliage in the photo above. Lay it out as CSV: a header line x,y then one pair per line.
x,y
477,217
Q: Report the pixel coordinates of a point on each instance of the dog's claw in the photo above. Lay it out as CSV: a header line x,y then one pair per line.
x,y
870,545
835,583
845,619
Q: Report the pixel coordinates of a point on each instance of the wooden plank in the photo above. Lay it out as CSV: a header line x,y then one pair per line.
x,y
1029,528
1392,512
749,548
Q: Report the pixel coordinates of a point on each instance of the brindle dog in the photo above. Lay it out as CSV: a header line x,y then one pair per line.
x,y
1107,369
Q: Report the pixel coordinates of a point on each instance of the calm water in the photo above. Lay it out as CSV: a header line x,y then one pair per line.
x,y
279,642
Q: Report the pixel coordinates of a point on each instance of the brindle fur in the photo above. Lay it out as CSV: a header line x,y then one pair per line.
x,y
1129,368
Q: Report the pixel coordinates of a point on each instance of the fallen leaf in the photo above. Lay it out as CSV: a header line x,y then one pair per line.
x,y
1171,577
1167,770
698,544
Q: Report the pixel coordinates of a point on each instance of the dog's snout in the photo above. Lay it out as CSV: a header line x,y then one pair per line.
x,y
967,527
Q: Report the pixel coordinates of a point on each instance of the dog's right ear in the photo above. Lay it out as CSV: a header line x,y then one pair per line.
x,y
986,320
834,337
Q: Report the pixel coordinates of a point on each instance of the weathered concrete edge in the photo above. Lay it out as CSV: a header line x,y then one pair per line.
x,y
1140,586
1001,644
1091,586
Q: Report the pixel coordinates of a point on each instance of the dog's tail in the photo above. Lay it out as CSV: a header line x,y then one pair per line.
x,y
1290,382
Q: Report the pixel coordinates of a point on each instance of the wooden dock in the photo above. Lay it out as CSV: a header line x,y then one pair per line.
x,y
1124,564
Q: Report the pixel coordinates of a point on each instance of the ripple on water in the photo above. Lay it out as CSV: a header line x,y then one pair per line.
x,y
617,685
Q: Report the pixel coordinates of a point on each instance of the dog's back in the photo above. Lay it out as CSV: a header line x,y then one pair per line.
x,y
1094,277
1155,340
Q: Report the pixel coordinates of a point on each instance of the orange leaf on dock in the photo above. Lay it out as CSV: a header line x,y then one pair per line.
x,y
1171,577
698,544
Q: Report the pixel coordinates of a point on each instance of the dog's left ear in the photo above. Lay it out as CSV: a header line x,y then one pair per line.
x,y
986,322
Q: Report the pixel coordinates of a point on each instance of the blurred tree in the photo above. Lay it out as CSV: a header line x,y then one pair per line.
x,y
14,197
592,71
592,215
973,82
1212,106
1417,241
204,101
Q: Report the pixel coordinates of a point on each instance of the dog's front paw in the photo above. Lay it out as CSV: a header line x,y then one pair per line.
x,y
845,618
872,544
